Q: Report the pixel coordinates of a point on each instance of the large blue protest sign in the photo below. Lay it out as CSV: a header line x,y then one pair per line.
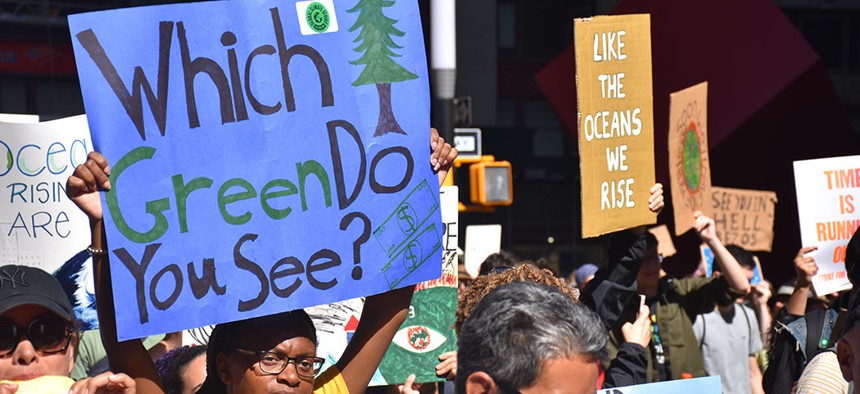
x,y
265,155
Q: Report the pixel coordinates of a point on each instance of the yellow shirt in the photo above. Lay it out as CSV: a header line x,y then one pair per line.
x,y
330,382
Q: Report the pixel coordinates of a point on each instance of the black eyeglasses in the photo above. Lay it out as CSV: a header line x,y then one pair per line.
x,y
48,333
274,363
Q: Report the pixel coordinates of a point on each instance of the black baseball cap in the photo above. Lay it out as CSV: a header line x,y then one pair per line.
x,y
22,285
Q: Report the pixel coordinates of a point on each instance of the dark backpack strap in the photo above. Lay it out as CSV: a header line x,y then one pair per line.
x,y
813,335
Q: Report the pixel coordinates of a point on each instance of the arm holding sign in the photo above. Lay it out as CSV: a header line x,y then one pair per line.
x,y
383,313
805,268
611,289
615,283
761,293
129,357
731,269
786,361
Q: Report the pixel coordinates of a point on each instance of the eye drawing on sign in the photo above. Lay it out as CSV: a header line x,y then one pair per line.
x,y
418,339
380,68
693,157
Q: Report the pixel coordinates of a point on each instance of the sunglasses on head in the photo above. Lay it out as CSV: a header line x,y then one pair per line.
x,y
48,334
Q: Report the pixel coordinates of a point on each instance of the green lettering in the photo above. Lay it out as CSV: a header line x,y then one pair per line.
x,y
223,200
313,167
265,195
181,190
154,208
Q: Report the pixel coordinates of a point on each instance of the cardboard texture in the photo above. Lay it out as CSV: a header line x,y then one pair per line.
x,y
665,245
744,217
689,166
265,156
615,123
827,201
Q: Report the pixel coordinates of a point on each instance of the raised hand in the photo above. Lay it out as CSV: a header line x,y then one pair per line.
x,y
639,332
805,266
655,201
442,155
447,366
705,227
85,183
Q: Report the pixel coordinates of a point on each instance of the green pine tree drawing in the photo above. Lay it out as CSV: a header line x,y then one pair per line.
x,y
380,68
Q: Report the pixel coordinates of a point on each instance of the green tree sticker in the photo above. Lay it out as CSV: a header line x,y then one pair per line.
x,y
692,159
377,46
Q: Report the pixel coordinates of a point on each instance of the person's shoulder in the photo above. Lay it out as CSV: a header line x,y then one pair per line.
x,y
686,285
330,382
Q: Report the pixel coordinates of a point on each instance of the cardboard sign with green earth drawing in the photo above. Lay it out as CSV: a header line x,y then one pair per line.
x,y
689,165
616,121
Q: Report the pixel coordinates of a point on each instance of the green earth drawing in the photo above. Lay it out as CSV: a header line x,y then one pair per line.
x,y
434,311
692,159
8,159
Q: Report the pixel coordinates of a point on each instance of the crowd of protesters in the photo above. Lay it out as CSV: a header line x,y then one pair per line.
x,y
520,327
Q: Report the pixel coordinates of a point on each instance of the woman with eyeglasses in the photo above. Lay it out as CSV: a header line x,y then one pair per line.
x,y
270,354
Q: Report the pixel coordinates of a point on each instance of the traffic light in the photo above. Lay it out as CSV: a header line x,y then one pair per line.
x,y
490,182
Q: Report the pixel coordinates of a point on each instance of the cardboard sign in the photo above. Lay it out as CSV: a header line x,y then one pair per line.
x,y
481,241
707,385
665,245
744,217
39,225
707,256
689,165
427,331
828,192
264,156
616,121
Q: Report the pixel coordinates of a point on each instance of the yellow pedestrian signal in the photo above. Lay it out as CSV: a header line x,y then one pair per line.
x,y
490,182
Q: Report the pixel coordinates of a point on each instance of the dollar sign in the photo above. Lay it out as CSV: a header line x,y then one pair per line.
x,y
409,256
405,217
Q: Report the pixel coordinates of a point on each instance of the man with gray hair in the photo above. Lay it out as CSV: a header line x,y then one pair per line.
x,y
530,338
